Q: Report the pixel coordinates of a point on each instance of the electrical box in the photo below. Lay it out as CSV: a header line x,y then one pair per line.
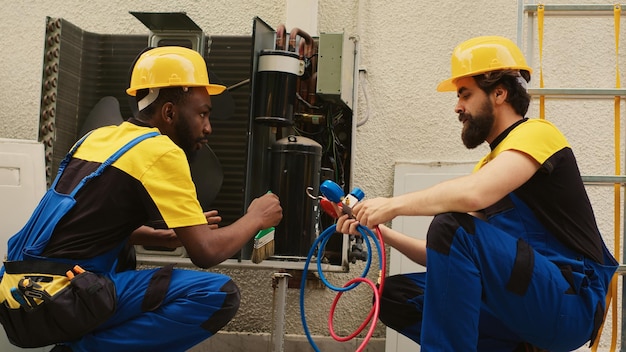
x,y
335,68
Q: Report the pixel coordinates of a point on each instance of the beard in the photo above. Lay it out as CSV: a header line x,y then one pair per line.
x,y
186,139
477,127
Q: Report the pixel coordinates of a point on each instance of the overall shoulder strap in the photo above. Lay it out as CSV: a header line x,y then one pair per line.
x,y
67,159
113,158
34,236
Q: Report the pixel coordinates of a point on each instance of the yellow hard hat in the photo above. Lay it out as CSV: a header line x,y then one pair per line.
x,y
171,66
483,54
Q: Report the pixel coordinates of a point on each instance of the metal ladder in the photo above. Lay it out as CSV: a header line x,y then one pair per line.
x,y
534,14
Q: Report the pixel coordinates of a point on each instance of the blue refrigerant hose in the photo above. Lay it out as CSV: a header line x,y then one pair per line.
x,y
321,242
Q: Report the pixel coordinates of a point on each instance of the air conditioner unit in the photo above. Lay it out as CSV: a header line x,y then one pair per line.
x,y
247,150
22,184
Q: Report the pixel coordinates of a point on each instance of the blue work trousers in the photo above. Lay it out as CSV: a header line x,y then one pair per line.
x,y
196,305
494,285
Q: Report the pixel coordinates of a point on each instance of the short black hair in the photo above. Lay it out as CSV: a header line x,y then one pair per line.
x,y
517,95
175,95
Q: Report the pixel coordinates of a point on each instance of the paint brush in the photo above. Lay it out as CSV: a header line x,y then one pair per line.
x,y
263,245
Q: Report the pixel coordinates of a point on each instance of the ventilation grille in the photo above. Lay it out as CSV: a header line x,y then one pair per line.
x,y
80,68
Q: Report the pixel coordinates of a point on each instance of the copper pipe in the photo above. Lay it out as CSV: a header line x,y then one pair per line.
x,y
305,48
301,86
312,98
281,33
305,36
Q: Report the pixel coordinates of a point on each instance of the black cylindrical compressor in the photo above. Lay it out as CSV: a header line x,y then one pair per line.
x,y
275,91
296,165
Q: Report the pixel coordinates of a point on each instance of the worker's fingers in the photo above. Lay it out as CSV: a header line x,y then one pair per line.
x,y
213,219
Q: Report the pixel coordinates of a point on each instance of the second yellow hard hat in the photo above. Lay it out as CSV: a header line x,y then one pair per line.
x,y
483,54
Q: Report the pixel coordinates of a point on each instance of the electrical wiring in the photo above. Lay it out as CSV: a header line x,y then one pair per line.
x,y
332,117
363,81
318,247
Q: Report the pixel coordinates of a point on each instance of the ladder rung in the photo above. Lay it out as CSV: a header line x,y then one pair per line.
x,y
563,8
579,92
621,269
604,180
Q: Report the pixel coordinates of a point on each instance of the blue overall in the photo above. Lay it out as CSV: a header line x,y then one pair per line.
x,y
491,285
192,307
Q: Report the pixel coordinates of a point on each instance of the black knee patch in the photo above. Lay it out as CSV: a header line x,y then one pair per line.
x,y
522,271
229,308
444,226
568,274
157,288
598,318
396,311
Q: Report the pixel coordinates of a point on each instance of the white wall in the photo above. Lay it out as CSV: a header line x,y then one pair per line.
x,y
404,46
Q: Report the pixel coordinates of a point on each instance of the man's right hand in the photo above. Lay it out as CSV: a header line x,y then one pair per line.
x,y
209,248
267,210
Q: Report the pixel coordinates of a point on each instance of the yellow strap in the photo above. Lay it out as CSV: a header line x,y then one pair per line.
x,y
612,293
542,98
618,167
617,15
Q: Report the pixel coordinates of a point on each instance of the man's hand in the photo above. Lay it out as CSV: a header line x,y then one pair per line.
x,y
347,225
267,210
209,248
213,219
372,212
148,236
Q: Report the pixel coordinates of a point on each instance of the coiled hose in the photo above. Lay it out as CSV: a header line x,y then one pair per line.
x,y
372,317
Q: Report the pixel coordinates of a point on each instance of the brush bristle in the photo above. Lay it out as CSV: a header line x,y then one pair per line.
x,y
263,252
263,246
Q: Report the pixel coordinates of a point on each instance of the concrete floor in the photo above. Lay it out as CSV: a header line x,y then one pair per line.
x,y
249,342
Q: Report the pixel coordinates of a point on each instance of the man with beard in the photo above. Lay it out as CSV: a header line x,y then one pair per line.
x,y
161,309
514,257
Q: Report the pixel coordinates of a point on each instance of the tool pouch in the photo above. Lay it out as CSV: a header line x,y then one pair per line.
x,y
59,309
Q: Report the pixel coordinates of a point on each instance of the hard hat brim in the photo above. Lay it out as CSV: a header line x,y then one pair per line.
x,y
215,89
447,85
212,89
